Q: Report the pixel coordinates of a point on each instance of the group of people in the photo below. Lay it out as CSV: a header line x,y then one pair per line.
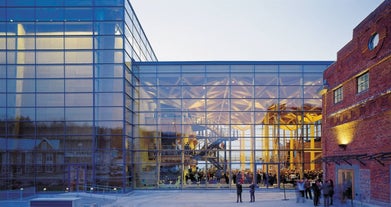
x,y
306,187
239,188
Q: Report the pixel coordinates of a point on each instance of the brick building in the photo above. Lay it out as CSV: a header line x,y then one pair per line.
x,y
356,128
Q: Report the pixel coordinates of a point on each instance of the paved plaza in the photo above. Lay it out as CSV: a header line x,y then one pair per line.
x,y
206,198
210,198
179,198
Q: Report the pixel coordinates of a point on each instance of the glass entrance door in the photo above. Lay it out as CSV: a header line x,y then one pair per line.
x,y
346,183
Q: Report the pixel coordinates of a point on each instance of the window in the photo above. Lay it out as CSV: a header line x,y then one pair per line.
x,y
338,95
363,82
373,41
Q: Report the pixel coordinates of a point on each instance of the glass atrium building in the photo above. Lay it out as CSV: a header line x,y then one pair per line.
x,y
86,105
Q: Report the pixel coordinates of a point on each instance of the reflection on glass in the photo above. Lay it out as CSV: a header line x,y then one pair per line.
x,y
52,57
78,114
78,71
52,71
78,85
78,99
78,42
50,85
50,114
52,99
58,57
49,14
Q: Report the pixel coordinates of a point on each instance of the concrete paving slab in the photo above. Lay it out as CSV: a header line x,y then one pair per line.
x,y
206,198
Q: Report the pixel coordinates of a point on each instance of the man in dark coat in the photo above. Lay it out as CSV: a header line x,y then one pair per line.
x,y
252,192
239,191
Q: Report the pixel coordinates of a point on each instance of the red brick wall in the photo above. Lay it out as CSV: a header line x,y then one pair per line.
x,y
367,116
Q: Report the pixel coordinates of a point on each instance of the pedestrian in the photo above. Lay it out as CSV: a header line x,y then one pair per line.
x,y
331,191
307,185
300,191
252,192
347,190
239,190
326,187
316,189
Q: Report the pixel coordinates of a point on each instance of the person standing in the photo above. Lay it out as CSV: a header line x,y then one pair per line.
x,y
252,192
300,191
316,189
326,187
347,190
331,191
239,190
307,185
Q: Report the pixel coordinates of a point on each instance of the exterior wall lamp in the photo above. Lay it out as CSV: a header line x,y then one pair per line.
x,y
342,146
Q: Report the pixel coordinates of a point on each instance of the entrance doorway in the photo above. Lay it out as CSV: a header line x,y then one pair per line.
x,y
346,183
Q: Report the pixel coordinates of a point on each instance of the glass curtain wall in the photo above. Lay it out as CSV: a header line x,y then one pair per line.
x,y
65,78
200,123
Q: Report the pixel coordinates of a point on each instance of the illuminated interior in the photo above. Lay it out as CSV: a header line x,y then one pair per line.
x,y
264,119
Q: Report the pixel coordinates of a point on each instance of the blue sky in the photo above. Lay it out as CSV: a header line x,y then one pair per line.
x,y
197,30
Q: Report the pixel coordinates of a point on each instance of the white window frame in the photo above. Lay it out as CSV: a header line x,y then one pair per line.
x,y
363,82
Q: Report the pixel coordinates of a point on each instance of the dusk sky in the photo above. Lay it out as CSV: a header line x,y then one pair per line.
x,y
198,30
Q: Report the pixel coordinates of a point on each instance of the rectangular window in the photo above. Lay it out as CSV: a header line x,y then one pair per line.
x,y
363,82
338,95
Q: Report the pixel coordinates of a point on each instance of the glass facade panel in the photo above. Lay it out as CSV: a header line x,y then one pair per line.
x,y
3,41
78,114
78,71
50,85
108,70
50,114
20,14
52,14
49,71
20,85
78,85
78,43
62,75
218,123
49,3
78,14
78,3
193,78
49,100
49,28
19,57
104,14
46,57
78,99
79,57
109,99
266,79
79,28
108,85
291,79
108,56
